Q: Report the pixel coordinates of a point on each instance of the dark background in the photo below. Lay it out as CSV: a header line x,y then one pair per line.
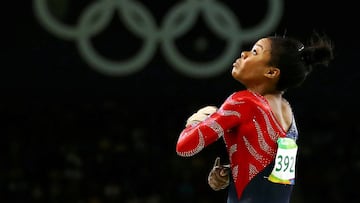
x,y
72,134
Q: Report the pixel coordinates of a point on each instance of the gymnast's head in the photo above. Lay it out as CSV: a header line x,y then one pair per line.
x,y
277,63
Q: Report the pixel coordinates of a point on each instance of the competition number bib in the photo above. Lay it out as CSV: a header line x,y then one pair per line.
x,y
284,168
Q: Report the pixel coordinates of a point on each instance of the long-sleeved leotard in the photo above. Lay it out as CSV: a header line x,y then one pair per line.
x,y
249,129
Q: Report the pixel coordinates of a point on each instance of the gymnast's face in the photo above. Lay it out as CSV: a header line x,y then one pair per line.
x,y
252,67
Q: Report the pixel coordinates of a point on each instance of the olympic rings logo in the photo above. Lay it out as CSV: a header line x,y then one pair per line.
x,y
179,20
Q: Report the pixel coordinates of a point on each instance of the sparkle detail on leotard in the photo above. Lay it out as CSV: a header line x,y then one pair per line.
x,y
197,149
232,150
269,128
229,113
253,152
252,171
235,171
262,143
216,127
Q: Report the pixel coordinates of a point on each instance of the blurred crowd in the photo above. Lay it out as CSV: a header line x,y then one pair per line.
x,y
105,151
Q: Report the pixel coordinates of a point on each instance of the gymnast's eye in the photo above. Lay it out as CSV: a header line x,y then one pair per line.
x,y
253,51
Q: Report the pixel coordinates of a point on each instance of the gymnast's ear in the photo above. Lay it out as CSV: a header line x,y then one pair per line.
x,y
272,72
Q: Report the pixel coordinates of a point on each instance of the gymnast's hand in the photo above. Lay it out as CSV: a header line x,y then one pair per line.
x,y
201,115
219,176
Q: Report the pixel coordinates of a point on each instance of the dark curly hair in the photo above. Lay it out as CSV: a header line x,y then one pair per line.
x,y
296,60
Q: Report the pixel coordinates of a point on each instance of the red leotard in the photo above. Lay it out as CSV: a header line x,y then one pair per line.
x,y
249,129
